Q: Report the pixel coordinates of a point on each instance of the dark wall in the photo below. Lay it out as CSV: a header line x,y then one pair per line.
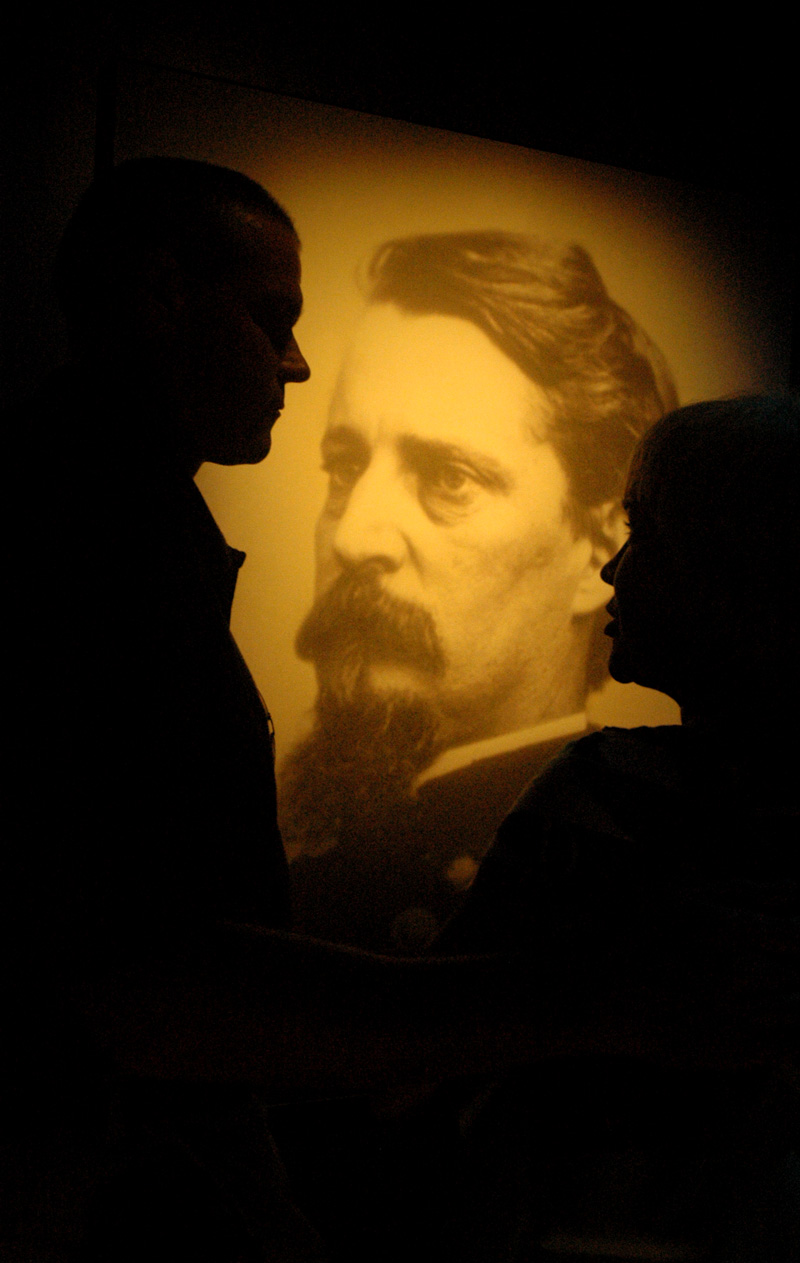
x,y
717,115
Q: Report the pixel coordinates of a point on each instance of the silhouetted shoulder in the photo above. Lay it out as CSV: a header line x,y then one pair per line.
x,y
584,785
621,822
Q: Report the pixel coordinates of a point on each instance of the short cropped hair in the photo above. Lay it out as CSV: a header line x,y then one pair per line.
x,y
546,307
185,208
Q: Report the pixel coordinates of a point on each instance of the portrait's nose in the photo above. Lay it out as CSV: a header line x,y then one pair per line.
x,y
370,528
293,364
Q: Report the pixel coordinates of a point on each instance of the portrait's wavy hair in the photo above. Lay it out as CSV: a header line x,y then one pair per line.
x,y
545,306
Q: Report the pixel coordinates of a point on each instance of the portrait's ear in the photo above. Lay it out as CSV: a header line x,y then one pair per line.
x,y
608,534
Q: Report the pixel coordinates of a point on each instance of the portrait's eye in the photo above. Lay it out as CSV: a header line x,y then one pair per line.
x,y
447,488
344,468
345,457
450,480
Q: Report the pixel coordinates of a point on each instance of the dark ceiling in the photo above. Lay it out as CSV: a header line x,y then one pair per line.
x,y
713,107
718,108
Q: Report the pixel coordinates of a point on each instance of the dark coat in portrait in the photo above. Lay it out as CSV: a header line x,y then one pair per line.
x,y
392,885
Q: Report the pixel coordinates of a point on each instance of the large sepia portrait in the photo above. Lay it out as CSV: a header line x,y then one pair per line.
x,y
490,330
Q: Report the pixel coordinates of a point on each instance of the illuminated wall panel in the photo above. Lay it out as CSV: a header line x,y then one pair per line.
x,y
689,267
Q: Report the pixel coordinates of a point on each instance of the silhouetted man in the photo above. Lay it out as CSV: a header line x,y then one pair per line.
x,y
476,449
150,985
147,786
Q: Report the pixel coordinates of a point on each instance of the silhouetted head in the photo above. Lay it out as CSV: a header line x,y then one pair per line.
x,y
704,605
187,275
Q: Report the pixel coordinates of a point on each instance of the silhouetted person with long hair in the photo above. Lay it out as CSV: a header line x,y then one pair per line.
x,y
665,860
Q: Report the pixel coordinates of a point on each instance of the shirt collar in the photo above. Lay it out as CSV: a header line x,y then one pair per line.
x,y
222,562
461,756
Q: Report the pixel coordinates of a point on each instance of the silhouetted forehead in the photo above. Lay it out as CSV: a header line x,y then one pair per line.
x,y
653,461
672,487
266,261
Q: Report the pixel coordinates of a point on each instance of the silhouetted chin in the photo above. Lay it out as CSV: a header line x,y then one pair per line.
x,y
351,775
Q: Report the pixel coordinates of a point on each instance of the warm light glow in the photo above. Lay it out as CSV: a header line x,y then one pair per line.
x,y
673,259
350,182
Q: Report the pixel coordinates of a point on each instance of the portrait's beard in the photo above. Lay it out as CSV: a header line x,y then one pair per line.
x,y
359,764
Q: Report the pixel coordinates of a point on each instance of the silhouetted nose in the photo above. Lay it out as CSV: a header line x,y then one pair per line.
x,y
370,528
294,365
610,568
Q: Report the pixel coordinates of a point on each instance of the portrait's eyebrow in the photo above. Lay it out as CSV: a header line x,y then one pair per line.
x,y
339,436
420,452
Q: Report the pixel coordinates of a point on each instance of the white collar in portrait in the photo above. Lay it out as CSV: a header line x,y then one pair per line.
x,y
462,756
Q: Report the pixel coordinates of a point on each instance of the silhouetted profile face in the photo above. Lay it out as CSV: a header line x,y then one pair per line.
x,y
647,629
703,605
234,346
448,571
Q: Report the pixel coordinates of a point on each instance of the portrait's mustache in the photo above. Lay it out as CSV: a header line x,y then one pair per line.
x,y
356,622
